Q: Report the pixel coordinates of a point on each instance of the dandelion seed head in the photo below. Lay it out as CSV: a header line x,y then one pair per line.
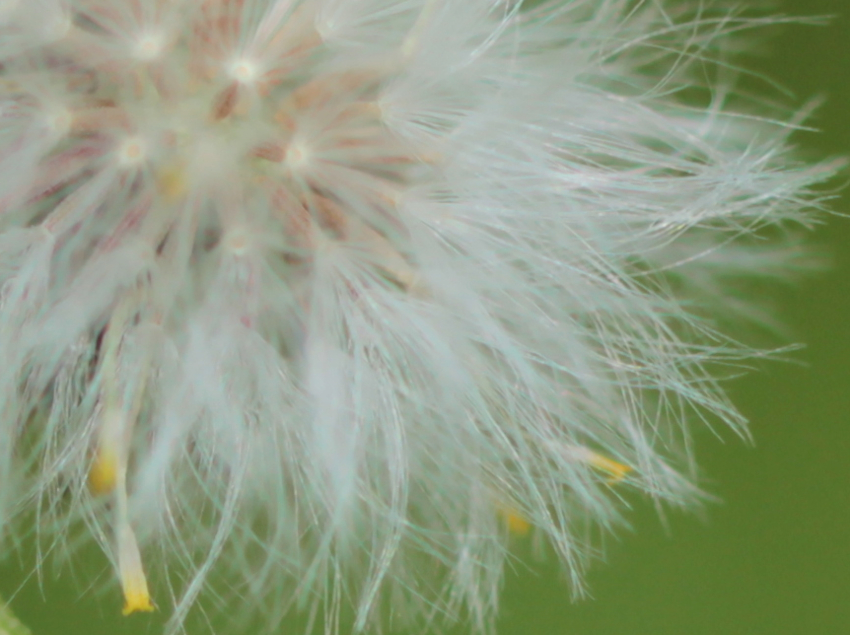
x,y
303,300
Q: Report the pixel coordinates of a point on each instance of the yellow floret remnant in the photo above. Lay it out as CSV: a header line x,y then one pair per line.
x,y
172,183
134,584
103,472
617,471
137,599
518,525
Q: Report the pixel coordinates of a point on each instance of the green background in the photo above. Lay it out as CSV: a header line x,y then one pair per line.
x,y
773,558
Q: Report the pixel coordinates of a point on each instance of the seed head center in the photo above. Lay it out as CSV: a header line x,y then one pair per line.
x,y
244,71
149,46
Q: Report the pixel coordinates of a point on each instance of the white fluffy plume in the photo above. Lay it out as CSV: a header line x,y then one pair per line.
x,y
325,299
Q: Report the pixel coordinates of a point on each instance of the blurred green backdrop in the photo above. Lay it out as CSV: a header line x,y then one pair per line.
x,y
774,557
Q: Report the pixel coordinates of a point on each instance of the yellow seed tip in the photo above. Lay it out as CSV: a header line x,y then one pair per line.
x,y
103,473
134,584
517,524
171,183
137,601
617,471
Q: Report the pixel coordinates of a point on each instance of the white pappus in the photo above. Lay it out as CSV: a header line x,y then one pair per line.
x,y
318,302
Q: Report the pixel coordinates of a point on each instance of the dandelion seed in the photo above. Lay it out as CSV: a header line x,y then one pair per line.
x,y
149,46
323,304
